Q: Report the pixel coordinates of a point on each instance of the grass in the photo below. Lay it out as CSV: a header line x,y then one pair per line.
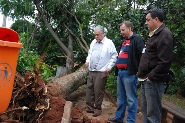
x,y
177,100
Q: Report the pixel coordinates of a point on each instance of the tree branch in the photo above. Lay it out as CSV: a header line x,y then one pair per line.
x,y
81,32
79,42
50,29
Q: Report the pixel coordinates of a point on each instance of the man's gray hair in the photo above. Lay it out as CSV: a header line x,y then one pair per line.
x,y
101,28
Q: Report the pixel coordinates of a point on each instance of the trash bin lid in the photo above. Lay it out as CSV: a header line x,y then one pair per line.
x,y
10,44
7,34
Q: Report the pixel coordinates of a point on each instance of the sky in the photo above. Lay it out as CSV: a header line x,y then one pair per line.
x,y
9,21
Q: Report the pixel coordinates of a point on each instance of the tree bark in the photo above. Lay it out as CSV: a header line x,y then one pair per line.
x,y
64,48
67,84
4,21
69,60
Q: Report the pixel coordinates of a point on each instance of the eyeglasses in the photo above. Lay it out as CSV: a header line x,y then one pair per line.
x,y
98,34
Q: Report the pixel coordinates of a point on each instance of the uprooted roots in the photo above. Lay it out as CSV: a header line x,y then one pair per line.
x,y
29,100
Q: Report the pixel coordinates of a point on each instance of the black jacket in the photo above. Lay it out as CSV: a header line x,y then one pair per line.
x,y
155,62
135,52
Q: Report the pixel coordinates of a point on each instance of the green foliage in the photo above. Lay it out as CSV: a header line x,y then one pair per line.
x,y
17,8
108,13
21,26
26,61
30,61
111,84
177,100
47,71
177,25
177,85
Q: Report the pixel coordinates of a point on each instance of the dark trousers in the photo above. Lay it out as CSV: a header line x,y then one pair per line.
x,y
151,96
95,89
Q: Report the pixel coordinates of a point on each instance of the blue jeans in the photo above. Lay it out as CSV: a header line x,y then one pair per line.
x,y
151,95
126,96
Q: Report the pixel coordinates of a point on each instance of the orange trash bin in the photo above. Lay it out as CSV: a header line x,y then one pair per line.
x,y
9,49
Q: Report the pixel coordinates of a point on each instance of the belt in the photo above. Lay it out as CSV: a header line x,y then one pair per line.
x,y
122,68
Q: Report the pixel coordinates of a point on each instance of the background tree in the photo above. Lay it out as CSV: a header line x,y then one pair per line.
x,y
64,28
54,14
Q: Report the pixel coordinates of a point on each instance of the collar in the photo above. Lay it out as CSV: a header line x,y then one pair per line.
x,y
102,41
152,32
157,30
134,34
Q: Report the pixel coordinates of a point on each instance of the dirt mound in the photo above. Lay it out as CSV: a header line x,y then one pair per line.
x,y
32,103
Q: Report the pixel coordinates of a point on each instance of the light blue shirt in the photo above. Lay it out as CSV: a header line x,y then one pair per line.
x,y
101,55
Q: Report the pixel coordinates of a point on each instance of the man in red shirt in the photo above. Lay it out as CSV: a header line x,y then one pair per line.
x,y
127,67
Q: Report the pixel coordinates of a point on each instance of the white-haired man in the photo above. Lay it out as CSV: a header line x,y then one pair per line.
x,y
101,58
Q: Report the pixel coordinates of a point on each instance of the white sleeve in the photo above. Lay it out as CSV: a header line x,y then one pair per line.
x,y
113,56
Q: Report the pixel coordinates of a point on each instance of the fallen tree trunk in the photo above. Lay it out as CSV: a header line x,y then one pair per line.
x,y
31,97
65,85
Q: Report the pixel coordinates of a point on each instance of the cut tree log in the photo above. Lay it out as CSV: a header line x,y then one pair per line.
x,y
67,84
67,112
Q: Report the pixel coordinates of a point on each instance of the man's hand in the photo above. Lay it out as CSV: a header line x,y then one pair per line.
x,y
105,73
147,79
87,64
107,70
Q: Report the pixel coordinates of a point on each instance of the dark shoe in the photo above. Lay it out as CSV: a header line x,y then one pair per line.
x,y
90,110
114,120
96,113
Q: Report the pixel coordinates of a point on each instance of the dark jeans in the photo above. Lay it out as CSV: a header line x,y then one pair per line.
x,y
151,95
